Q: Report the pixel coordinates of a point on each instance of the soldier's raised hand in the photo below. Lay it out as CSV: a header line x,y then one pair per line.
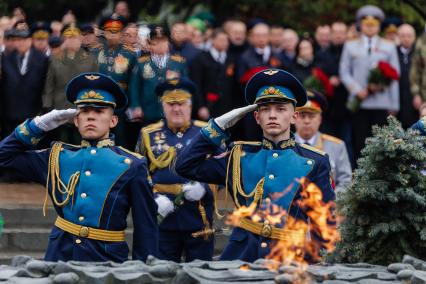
x,y
230,118
54,118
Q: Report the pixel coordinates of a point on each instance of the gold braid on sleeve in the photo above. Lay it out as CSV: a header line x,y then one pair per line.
x,y
257,192
53,176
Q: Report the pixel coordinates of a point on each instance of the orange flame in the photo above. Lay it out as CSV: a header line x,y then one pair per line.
x,y
320,230
310,237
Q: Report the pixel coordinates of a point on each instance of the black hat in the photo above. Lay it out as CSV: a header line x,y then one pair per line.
x,y
21,30
87,28
158,32
55,41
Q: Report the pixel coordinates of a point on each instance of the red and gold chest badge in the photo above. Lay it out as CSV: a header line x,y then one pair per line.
x,y
121,64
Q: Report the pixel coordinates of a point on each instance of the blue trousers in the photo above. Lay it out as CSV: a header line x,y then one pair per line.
x,y
173,245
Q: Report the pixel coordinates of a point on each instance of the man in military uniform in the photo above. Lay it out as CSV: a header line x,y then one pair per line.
x,y
72,61
359,56
116,61
186,230
93,185
259,172
40,32
150,71
418,72
307,131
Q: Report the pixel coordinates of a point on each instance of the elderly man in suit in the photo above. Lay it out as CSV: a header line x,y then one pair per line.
x,y
359,56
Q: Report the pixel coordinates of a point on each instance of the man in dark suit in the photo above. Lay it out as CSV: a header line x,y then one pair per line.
x,y
213,73
407,37
23,75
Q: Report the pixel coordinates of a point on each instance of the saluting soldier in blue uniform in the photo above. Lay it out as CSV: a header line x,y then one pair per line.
x,y
185,206
152,70
93,185
266,170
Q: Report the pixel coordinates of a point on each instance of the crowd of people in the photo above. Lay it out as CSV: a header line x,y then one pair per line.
x,y
39,59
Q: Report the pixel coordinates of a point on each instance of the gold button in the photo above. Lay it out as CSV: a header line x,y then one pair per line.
x,y
128,161
83,195
309,162
93,151
271,176
263,245
275,155
84,232
88,173
81,218
78,241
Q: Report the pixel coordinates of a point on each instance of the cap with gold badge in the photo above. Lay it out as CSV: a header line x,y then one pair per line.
x,y
176,90
276,86
95,90
316,103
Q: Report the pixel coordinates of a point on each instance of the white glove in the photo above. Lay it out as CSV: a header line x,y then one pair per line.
x,y
193,191
54,118
230,118
165,205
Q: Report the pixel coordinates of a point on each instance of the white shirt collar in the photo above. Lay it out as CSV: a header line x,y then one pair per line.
x,y
312,141
218,56
266,52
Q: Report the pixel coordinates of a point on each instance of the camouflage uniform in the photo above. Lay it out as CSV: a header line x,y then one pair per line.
x,y
418,69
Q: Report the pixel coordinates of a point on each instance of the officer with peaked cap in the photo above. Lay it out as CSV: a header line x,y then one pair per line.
x,y
307,125
40,32
359,56
92,185
151,70
116,61
259,174
186,207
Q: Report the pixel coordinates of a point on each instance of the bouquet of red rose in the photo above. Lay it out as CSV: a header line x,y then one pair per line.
x,y
319,82
379,78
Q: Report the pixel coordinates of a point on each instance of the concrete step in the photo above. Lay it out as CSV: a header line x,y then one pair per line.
x,y
5,257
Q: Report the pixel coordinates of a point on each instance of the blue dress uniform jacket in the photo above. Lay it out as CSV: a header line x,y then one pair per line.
x,y
279,165
146,77
112,180
186,218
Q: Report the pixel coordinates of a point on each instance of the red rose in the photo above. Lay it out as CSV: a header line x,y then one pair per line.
x,y
388,71
325,81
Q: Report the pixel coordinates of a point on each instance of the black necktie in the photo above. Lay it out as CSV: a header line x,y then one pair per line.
x,y
307,143
369,45
20,61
